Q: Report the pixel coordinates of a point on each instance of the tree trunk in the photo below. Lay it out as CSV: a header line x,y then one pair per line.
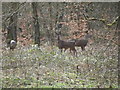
x,y
51,26
36,23
12,28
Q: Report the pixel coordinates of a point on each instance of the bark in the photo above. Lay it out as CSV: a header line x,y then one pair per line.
x,y
12,28
36,23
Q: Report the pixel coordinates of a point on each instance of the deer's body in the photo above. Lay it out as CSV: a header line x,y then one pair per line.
x,y
66,45
81,43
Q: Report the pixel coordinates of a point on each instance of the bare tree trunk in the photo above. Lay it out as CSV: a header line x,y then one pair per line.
x,y
36,23
51,26
12,28
118,28
78,16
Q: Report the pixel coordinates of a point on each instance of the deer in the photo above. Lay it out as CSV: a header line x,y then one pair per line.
x,y
62,44
82,42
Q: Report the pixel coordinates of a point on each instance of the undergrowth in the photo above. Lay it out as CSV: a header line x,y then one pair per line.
x,y
46,67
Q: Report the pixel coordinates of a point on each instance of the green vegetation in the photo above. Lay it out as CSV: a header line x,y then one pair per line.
x,y
33,67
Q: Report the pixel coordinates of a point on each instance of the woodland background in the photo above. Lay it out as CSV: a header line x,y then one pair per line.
x,y
38,63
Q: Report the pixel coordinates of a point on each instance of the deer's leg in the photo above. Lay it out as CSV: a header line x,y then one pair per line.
x,y
83,48
65,49
75,52
70,50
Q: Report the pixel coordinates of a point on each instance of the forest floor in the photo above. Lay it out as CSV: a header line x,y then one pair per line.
x,y
46,67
